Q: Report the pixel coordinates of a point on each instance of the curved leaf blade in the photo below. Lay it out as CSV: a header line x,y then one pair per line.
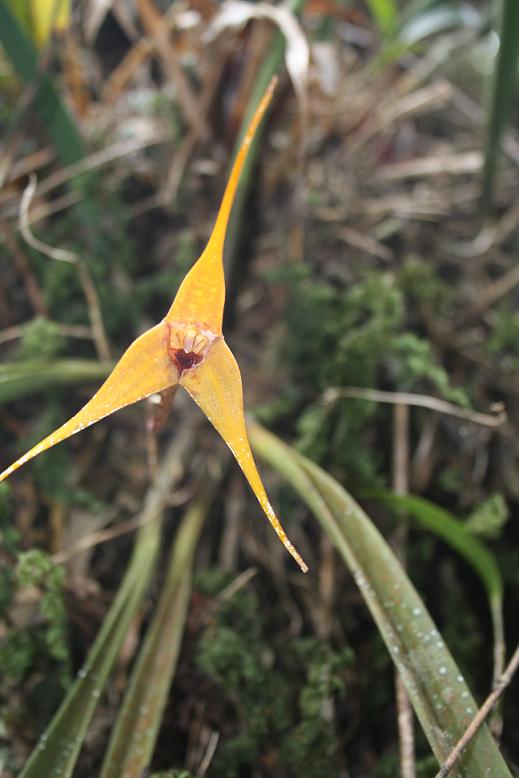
x,y
453,532
21,379
136,729
436,519
438,692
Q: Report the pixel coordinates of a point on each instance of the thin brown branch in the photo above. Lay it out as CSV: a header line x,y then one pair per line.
x,y
213,71
66,330
47,208
209,754
64,255
97,159
481,715
157,28
168,474
400,481
30,281
419,401
495,291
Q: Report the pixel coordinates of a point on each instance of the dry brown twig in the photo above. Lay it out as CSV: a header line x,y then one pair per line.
x,y
169,472
66,330
400,480
64,255
419,401
490,236
32,289
158,29
100,536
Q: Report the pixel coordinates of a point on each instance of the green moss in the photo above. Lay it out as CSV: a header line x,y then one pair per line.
x,y
41,340
23,650
421,284
488,519
281,693
36,569
17,653
357,336
9,543
502,343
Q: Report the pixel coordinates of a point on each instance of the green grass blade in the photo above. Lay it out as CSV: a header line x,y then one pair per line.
x,y
19,379
58,748
135,733
453,532
439,695
48,103
51,110
385,14
502,89
450,529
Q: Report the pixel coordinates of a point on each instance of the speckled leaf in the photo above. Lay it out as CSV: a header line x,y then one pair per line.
x,y
135,732
56,753
438,692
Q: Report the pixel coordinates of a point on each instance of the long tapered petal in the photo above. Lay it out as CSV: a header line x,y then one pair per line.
x,y
201,295
143,369
215,385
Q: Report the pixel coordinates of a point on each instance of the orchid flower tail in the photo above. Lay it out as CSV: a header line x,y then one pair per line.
x,y
216,387
143,369
201,295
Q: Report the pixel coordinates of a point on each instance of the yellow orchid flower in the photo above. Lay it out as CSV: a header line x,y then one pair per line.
x,y
188,349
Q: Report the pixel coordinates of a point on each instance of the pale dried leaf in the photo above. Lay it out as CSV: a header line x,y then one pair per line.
x,y
235,13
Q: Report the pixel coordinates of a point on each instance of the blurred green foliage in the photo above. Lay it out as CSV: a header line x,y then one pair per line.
x,y
355,336
23,650
488,519
503,340
41,339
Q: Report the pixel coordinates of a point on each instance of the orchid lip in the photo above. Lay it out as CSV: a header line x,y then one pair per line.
x,y
188,344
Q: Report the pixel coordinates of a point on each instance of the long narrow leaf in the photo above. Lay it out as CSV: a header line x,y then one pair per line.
x,y
51,109
453,532
135,733
58,748
502,89
48,102
19,379
385,14
438,692
444,524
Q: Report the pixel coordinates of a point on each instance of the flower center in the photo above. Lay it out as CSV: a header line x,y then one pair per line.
x,y
188,344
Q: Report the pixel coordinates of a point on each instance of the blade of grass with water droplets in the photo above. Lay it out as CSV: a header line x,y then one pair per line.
x,y
57,751
136,729
502,88
434,518
439,694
